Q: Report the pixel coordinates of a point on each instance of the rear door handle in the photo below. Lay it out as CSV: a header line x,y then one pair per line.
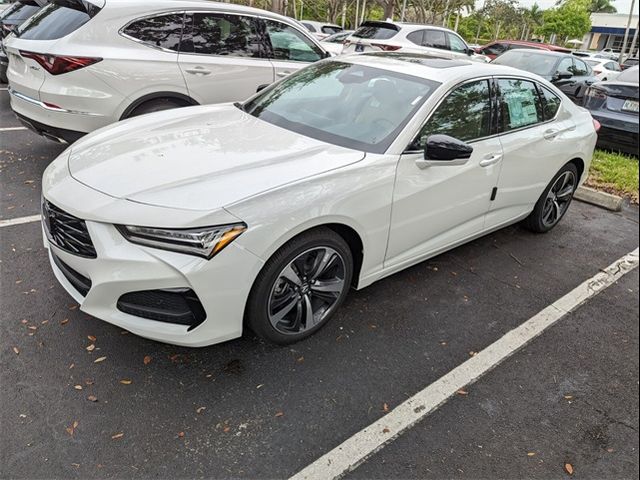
x,y
490,159
283,74
198,71
551,134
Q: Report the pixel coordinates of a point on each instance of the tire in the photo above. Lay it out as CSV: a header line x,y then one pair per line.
x,y
156,105
278,305
557,196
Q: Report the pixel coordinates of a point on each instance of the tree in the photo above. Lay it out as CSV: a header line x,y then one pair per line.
x,y
602,6
570,19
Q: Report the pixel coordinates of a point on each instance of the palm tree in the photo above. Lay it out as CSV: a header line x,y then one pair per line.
x,y
534,17
602,6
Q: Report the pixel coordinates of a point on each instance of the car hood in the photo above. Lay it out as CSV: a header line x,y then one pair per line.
x,y
199,158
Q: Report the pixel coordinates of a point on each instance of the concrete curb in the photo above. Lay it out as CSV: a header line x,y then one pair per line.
x,y
600,199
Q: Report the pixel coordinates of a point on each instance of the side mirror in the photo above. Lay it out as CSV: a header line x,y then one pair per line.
x,y
471,52
327,54
443,150
564,75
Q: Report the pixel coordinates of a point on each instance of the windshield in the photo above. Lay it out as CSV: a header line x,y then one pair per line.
x,y
353,106
535,62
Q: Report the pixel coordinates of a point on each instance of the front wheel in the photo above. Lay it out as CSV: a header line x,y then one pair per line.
x,y
555,200
300,287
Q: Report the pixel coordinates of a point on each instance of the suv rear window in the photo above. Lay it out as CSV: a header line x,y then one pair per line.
x,y
58,19
330,29
376,31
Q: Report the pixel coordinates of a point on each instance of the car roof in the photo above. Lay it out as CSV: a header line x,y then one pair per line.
x,y
435,68
549,53
531,44
323,24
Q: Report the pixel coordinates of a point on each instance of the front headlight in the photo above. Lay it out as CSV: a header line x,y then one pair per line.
x,y
202,241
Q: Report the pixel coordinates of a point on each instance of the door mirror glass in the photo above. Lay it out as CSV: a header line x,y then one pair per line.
x,y
563,75
445,148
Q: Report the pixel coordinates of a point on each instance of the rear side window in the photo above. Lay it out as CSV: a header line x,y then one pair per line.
x,y
20,10
309,27
520,104
435,39
222,34
287,43
330,30
163,31
550,103
376,31
58,19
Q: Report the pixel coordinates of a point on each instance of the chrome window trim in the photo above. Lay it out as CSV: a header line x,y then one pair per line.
x,y
495,135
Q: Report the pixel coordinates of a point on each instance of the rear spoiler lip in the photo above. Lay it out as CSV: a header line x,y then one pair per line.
x,y
379,23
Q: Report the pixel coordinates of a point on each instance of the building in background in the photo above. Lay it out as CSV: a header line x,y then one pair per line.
x,y
607,31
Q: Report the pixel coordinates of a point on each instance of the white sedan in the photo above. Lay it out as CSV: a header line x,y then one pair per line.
x,y
604,69
188,225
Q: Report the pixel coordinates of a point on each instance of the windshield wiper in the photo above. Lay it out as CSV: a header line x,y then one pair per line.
x,y
240,106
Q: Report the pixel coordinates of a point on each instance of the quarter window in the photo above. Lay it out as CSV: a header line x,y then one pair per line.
x,y
519,104
223,34
288,43
163,31
550,103
464,114
434,39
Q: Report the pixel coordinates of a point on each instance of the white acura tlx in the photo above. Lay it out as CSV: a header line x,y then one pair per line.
x,y
187,225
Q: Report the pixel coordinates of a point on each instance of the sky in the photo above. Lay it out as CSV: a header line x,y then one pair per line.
x,y
623,6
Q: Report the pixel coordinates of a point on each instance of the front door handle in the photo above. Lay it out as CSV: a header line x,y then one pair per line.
x,y
198,71
490,159
283,74
551,134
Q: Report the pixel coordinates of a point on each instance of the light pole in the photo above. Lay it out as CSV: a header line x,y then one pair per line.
x,y
626,32
404,9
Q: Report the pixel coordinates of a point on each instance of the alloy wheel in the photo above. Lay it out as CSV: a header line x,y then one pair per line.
x,y
306,290
558,199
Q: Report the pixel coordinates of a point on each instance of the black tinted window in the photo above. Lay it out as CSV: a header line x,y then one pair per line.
x,y
376,31
519,104
309,27
415,37
435,39
464,114
550,103
495,49
58,19
222,34
330,30
287,43
163,31
19,11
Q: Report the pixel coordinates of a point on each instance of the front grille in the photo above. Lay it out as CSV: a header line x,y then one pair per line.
x,y
179,305
81,283
67,232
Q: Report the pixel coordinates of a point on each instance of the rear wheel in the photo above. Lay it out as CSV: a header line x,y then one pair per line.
x,y
157,105
300,287
555,200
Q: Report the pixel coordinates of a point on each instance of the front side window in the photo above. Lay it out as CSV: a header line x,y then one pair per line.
x,y
435,39
58,19
353,106
580,68
163,31
520,104
464,114
456,44
566,65
287,43
531,61
222,34
550,103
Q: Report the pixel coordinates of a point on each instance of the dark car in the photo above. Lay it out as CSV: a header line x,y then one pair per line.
x,y
567,72
614,104
629,62
10,18
495,49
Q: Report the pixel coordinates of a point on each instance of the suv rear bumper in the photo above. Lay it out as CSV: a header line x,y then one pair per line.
x,y
53,133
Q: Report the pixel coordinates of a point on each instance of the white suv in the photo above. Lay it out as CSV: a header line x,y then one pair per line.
x,y
78,65
373,36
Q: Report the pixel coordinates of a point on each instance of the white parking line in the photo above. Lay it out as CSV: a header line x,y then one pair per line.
x,y
12,129
19,221
3,89
355,450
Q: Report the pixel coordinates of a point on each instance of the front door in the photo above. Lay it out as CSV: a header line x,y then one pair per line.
x,y
438,206
223,58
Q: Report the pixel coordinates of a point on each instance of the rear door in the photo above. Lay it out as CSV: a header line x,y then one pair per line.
x,y
289,48
223,57
531,134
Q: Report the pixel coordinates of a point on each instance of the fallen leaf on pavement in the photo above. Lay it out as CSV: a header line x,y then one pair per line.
x,y
16,350
385,430
568,468
279,414
99,359
72,428
181,434
146,360
91,348
226,429
385,408
92,338
462,392
531,454
300,360
126,381
78,387
64,322
201,409
92,398
117,436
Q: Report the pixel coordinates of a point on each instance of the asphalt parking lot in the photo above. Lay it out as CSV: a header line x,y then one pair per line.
x,y
132,408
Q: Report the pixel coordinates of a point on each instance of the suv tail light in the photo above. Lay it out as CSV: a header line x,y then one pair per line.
x,y
386,48
596,125
57,65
